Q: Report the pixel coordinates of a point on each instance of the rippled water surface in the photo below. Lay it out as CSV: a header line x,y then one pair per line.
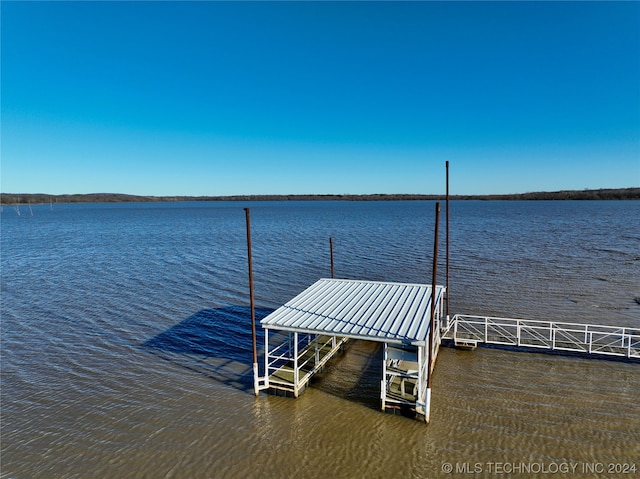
x,y
126,343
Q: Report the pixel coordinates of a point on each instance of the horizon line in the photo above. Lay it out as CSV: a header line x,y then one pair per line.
x,y
587,193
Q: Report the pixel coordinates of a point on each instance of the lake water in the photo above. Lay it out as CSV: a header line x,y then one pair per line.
x,y
126,343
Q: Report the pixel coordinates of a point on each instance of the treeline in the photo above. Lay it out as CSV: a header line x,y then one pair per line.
x,y
38,198
601,194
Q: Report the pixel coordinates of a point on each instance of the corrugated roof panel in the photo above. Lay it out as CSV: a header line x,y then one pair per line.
x,y
365,320
410,328
365,309
351,294
316,294
423,328
403,313
360,305
386,322
377,316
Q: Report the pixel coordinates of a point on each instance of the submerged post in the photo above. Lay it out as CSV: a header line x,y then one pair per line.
x,y
331,253
447,221
252,301
429,358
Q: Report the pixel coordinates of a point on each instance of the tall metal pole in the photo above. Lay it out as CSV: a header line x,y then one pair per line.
x,y
331,253
433,315
447,200
252,301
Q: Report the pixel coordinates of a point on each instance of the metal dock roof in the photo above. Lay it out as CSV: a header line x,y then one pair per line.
x,y
376,311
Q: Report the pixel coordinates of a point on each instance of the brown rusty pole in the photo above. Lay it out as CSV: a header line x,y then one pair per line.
x,y
447,200
331,253
433,314
252,301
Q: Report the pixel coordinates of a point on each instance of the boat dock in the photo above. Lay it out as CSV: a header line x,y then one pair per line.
x,y
306,332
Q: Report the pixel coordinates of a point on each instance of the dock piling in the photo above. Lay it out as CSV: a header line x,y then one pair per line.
x,y
447,241
256,388
331,254
429,358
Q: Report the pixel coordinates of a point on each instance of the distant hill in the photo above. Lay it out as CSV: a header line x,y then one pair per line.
x,y
601,194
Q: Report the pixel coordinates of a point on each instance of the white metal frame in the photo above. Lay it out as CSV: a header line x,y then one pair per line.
x,y
551,335
395,370
301,355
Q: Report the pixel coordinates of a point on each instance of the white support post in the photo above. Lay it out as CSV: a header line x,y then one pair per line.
x,y
295,364
420,375
486,329
266,358
383,383
317,355
427,406
256,379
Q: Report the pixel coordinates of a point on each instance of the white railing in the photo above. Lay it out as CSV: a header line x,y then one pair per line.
x,y
282,358
553,335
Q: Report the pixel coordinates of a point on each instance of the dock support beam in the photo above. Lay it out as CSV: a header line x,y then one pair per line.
x,y
331,255
256,384
447,241
383,382
266,359
427,406
432,337
296,373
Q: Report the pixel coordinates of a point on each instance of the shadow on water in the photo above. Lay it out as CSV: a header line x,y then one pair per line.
x,y
217,344
213,342
354,375
361,368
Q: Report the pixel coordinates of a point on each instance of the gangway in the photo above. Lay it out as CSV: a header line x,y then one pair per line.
x,y
588,339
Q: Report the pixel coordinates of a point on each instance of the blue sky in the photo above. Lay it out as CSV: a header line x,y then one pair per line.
x,y
217,98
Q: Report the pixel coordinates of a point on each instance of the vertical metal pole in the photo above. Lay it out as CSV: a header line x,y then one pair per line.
x,y
433,314
447,220
331,253
252,301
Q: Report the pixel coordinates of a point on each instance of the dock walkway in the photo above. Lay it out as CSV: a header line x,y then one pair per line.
x,y
589,339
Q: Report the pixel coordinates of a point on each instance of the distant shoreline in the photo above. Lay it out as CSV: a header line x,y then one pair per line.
x,y
39,198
